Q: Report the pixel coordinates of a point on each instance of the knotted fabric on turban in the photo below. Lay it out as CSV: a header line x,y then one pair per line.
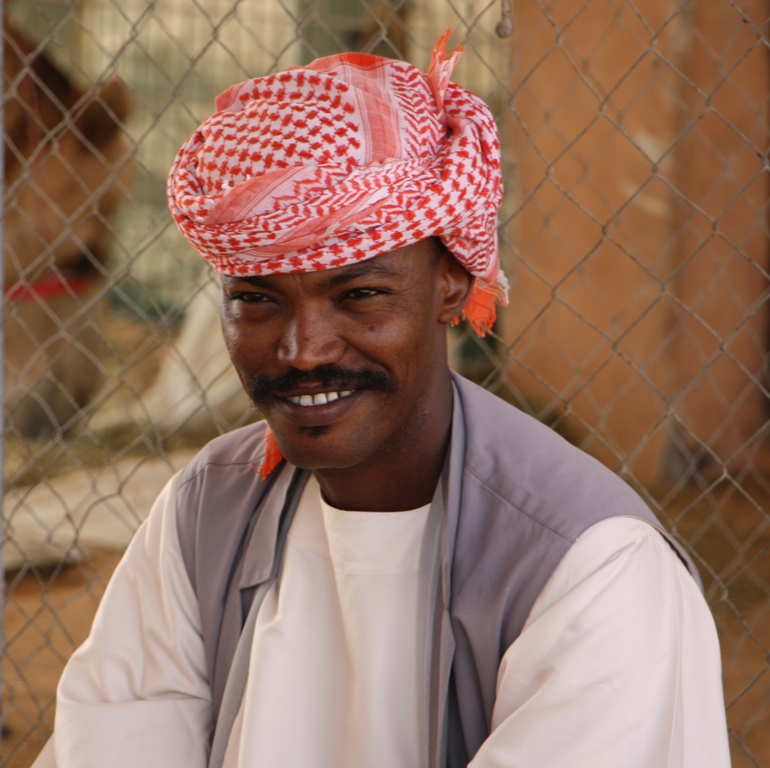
x,y
342,160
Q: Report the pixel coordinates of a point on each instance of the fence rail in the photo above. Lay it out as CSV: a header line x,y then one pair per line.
x,y
634,233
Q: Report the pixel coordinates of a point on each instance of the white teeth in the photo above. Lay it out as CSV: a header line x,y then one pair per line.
x,y
320,399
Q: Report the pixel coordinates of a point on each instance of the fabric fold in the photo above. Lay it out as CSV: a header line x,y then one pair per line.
x,y
342,160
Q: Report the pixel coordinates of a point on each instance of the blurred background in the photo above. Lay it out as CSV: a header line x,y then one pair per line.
x,y
634,233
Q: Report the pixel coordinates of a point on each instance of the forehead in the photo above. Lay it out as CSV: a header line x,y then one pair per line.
x,y
407,262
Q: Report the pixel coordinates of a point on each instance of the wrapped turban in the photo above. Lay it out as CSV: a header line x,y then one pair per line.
x,y
342,160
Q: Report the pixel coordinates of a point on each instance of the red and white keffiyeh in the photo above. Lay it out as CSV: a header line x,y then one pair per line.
x,y
342,160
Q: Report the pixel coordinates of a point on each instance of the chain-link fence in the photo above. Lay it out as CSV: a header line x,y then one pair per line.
x,y
634,233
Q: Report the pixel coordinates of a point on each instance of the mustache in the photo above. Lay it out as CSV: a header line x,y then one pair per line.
x,y
331,375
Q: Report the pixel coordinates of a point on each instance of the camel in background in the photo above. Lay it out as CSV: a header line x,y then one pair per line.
x,y
66,169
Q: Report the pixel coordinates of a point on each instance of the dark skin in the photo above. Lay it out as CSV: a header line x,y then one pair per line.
x,y
371,339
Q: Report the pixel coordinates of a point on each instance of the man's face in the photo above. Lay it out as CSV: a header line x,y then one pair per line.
x,y
345,363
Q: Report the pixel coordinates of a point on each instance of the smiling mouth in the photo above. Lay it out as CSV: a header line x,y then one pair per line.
x,y
321,398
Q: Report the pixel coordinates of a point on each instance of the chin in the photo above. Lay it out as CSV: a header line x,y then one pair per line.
x,y
314,452
314,460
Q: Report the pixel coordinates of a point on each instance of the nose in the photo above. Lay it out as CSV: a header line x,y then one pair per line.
x,y
310,338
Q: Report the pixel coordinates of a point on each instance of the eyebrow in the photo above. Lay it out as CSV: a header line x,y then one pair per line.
x,y
258,282
337,277
369,268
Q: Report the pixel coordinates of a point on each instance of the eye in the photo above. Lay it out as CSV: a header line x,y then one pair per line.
x,y
252,298
248,297
363,293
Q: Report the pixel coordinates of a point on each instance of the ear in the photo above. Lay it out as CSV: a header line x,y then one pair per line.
x,y
455,285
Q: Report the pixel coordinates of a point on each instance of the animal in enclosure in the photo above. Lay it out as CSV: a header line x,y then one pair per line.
x,y
66,169
639,307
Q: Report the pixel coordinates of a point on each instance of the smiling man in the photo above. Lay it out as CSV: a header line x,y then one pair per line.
x,y
395,568
348,366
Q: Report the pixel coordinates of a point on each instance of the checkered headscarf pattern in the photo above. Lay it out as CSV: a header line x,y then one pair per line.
x,y
342,160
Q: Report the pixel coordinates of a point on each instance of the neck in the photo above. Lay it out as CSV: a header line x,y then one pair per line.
x,y
404,477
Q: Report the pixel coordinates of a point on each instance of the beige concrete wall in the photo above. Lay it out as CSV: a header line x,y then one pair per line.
x,y
720,256
609,140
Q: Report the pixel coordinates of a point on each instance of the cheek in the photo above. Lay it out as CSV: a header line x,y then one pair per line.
x,y
228,326
405,349
247,349
233,340
387,342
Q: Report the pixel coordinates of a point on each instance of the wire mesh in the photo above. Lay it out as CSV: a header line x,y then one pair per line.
x,y
634,233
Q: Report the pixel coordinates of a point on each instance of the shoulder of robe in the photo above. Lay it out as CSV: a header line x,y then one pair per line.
x,y
522,467
216,496
242,447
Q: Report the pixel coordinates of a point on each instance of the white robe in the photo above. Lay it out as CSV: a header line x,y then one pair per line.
x,y
617,665
334,677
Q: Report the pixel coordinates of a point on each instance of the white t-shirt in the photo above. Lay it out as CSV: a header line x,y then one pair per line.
x,y
335,666
617,665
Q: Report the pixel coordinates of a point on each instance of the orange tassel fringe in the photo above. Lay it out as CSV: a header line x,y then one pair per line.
x,y
273,456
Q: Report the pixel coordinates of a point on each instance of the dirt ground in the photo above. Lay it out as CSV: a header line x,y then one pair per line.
x,y
49,613
728,532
